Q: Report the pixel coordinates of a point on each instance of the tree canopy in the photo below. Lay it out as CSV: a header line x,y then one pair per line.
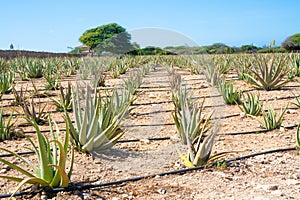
x,y
292,42
110,37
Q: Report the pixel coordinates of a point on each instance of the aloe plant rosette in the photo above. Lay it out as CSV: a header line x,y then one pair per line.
x,y
51,169
97,122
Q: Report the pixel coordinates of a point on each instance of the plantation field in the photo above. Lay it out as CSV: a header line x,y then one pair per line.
x,y
150,127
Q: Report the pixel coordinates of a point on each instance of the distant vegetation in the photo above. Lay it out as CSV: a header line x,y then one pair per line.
x,y
292,43
113,39
107,38
150,51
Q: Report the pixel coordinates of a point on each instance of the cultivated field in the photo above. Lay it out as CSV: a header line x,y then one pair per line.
x,y
151,127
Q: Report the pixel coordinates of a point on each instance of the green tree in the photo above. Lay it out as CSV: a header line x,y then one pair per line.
x,y
110,37
292,42
249,48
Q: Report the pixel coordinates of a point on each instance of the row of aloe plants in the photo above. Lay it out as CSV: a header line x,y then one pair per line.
x,y
266,72
263,72
194,128
97,127
54,69
33,109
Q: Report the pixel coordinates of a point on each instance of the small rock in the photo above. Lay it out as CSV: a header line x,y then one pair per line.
x,y
151,95
281,129
204,85
277,192
146,141
5,169
174,184
161,191
118,172
291,111
44,197
292,182
86,196
273,187
97,161
177,164
267,187
134,115
243,115
175,138
296,176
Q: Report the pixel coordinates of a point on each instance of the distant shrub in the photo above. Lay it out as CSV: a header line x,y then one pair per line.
x,y
292,43
272,50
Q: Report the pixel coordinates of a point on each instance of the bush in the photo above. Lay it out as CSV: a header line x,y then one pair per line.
x,y
292,43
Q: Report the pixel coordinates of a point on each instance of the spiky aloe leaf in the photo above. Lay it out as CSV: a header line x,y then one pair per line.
x,y
269,75
270,120
203,149
65,100
109,135
186,160
230,95
43,156
297,103
31,180
60,166
62,177
250,104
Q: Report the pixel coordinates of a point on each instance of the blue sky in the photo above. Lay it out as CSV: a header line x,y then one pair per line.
x,y
55,25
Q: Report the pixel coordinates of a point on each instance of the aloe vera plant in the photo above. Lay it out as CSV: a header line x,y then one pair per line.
x,y
37,93
145,70
97,122
34,69
175,80
29,108
242,75
251,104
180,96
180,93
120,101
100,78
297,103
268,73
212,74
270,120
295,66
65,99
70,66
200,153
190,122
4,65
230,95
6,127
51,169
120,67
52,81
222,64
134,81
6,82
18,96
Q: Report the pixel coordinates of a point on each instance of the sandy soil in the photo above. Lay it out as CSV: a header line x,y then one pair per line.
x,y
270,176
